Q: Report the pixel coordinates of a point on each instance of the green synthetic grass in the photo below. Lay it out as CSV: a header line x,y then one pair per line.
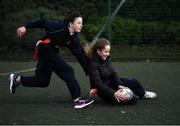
x,y
53,105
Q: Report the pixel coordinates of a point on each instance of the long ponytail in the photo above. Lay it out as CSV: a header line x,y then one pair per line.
x,y
88,48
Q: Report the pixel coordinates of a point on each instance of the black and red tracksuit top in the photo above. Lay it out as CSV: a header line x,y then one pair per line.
x,y
59,35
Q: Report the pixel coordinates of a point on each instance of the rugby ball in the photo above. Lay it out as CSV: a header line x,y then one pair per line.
x,y
126,92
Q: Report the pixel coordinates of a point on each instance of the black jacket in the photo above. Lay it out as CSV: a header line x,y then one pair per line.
x,y
102,75
58,33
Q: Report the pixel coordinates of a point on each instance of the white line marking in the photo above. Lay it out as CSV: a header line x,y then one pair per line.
x,y
19,71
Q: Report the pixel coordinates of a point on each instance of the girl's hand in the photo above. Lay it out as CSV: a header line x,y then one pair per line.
x,y
119,96
92,92
21,31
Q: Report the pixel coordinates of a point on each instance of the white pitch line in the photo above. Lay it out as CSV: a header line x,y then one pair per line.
x,y
20,71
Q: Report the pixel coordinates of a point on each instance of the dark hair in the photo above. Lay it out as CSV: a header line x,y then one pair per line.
x,y
92,47
70,16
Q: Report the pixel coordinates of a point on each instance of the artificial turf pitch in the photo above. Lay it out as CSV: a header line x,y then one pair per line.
x,y
53,105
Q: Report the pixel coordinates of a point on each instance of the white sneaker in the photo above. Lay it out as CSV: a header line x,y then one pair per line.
x,y
13,83
83,103
149,94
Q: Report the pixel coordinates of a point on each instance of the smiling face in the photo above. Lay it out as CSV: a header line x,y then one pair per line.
x,y
77,25
104,53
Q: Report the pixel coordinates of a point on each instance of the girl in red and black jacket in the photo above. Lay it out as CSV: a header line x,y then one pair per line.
x,y
58,34
104,79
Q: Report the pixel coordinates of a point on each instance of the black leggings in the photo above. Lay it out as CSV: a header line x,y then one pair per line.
x,y
133,84
49,61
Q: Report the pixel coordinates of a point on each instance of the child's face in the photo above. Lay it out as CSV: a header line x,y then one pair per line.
x,y
77,24
104,53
